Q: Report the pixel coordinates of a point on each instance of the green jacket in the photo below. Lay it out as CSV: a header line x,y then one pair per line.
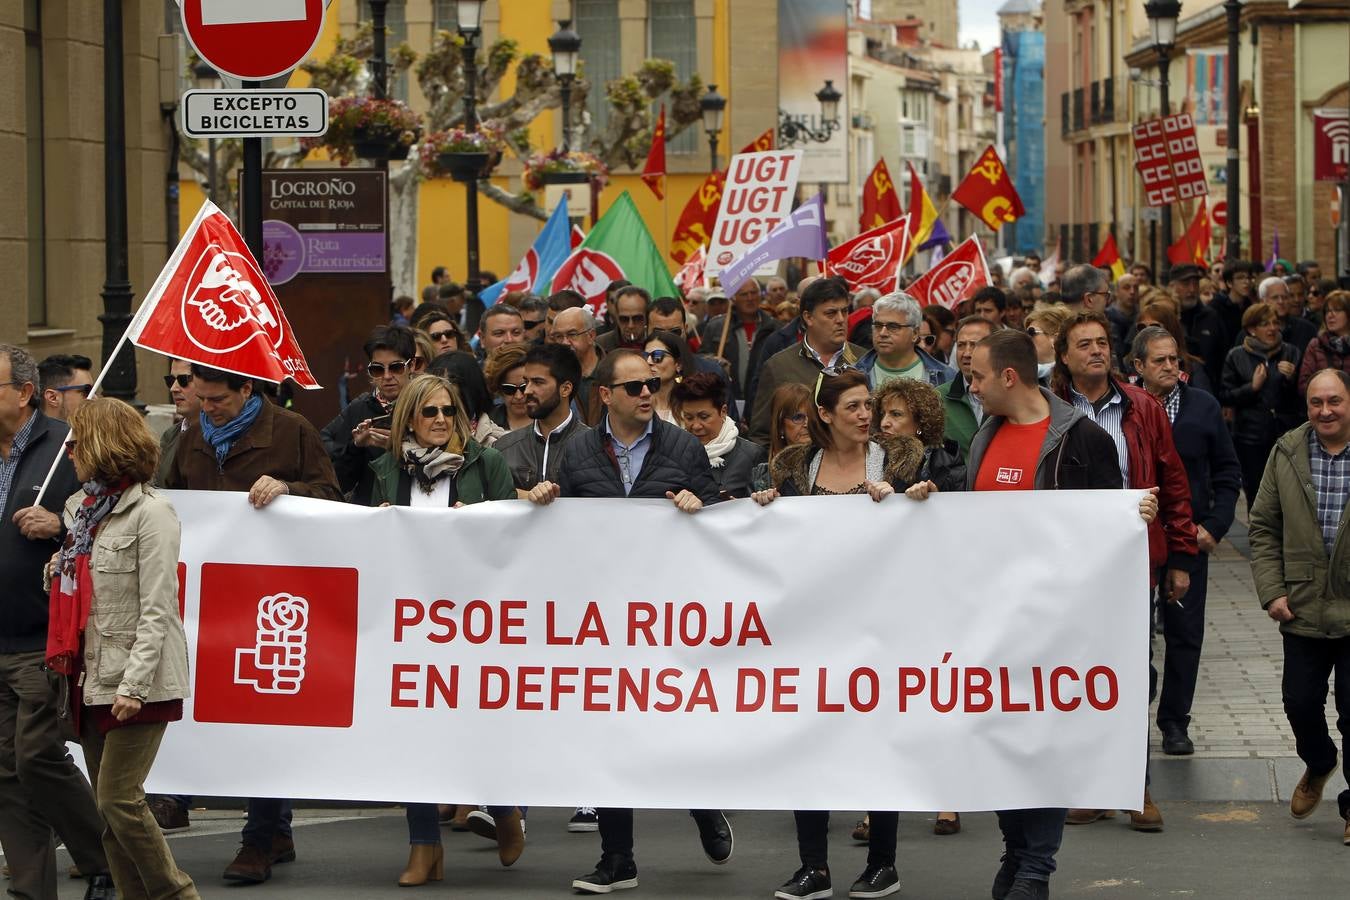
x,y
1288,556
961,425
484,476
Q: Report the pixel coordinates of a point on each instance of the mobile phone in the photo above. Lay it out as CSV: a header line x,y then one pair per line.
x,y
382,421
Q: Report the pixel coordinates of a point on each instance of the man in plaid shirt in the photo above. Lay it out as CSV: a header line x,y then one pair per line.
x,y
1300,561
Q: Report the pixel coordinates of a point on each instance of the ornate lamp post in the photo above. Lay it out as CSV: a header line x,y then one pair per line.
x,y
713,106
1162,18
469,14
565,45
798,130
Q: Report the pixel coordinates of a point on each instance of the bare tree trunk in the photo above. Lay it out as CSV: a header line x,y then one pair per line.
x,y
404,188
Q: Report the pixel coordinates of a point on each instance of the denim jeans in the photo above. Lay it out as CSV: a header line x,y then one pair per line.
x,y
424,821
266,819
1032,837
813,843
1308,664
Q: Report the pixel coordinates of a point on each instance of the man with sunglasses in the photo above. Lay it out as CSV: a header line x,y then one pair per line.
x,y
66,381
631,304
635,454
824,315
359,434
534,316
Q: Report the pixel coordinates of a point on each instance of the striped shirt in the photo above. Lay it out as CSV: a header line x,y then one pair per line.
x,y
10,464
1109,413
1331,483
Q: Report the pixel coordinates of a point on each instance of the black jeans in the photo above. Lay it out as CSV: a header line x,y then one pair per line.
x,y
813,843
1308,664
1032,838
616,830
1183,635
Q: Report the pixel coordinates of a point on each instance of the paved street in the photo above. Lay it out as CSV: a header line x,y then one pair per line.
x,y
1228,831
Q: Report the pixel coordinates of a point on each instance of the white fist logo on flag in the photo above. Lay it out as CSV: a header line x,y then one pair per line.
x,y
223,309
276,663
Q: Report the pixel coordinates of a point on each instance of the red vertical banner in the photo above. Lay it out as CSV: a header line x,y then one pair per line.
x,y
998,79
1331,144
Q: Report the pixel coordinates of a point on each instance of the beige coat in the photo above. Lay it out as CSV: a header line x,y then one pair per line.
x,y
134,644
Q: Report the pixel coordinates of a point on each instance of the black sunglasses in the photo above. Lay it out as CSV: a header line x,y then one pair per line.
x,y
634,388
510,390
657,356
376,370
448,334
928,340
429,412
180,380
82,388
533,324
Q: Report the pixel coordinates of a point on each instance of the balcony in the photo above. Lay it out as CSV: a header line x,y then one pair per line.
x,y
1064,128
1108,100
1095,103
1078,109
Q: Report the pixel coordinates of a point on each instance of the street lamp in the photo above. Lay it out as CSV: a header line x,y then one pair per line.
x,y
793,130
1162,19
469,15
713,106
565,45
208,79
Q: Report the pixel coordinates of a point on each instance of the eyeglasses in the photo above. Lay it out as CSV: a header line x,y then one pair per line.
x,y
634,388
830,372
890,327
181,380
656,357
377,370
562,337
429,412
1033,331
928,340
510,390
797,418
533,324
446,335
82,388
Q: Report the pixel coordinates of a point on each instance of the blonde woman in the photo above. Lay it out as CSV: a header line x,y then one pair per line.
x,y
114,629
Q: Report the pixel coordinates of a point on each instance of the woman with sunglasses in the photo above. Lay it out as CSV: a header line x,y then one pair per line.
x,y
461,369
840,458
669,358
434,463
505,374
441,329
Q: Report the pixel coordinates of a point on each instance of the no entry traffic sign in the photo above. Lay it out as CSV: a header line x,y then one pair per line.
x,y
253,40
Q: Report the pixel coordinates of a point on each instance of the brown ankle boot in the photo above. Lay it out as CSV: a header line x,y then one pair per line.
x,y
510,837
1149,818
426,862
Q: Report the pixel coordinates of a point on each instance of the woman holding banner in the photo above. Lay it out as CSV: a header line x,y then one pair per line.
x,y
841,458
114,629
700,402
436,464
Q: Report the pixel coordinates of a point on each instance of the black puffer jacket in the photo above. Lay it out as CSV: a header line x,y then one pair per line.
x,y
1260,417
675,461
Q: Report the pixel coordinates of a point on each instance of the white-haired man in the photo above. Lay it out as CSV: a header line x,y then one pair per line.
x,y
895,349
1295,330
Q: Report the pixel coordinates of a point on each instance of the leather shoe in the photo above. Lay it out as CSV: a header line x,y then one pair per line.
x,y
426,862
714,833
947,826
252,865
1007,874
1149,818
283,849
100,888
1088,816
1176,742
510,837
1029,889
1307,794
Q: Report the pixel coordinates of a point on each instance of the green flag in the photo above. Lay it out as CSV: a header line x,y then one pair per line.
x,y
619,246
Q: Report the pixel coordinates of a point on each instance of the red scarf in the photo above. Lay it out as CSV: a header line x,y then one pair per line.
x,y
72,592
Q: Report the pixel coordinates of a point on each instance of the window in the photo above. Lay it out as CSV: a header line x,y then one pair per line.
x,y
672,35
37,220
396,32
443,17
597,22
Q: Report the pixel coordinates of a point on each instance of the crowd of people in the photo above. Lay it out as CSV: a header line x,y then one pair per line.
x,y
1222,382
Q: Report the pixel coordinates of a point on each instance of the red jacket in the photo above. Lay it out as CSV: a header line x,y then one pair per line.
x,y
1154,462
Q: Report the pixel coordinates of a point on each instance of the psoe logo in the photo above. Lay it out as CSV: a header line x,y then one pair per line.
x,y
1008,475
275,664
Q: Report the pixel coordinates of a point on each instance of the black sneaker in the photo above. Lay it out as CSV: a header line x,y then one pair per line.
x,y
1176,742
583,820
807,884
1027,889
876,881
1007,874
714,832
611,874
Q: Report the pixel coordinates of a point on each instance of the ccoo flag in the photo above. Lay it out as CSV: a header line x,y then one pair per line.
x,y
212,305
619,246
545,256
880,202
988,192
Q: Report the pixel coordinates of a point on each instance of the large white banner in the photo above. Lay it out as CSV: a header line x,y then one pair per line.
x,y
976,651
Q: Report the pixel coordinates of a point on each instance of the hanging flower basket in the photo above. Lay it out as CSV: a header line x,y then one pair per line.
x,y
462,154
365,128
557,167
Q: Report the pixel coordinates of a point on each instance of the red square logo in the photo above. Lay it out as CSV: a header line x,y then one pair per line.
x,y
276,645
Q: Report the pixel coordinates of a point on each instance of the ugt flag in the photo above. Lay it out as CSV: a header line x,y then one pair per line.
x,y
619,246
212,305
545,256
874,258
957,277
800,234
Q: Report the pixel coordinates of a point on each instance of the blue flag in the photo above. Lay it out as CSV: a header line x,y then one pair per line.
x,y
545,256
800,234
938,237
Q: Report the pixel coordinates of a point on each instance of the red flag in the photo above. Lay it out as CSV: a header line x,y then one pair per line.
x,y
958,277
212,305
690,275
1109,258
654,172
695,225
872,259
998,79
880,200
577,236
988,192
1194,244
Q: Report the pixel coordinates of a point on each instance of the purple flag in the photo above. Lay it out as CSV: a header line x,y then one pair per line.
x,y
1274,251
800,234
938,237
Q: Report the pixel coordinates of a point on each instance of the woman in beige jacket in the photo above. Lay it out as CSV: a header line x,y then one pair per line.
x,y
116,632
